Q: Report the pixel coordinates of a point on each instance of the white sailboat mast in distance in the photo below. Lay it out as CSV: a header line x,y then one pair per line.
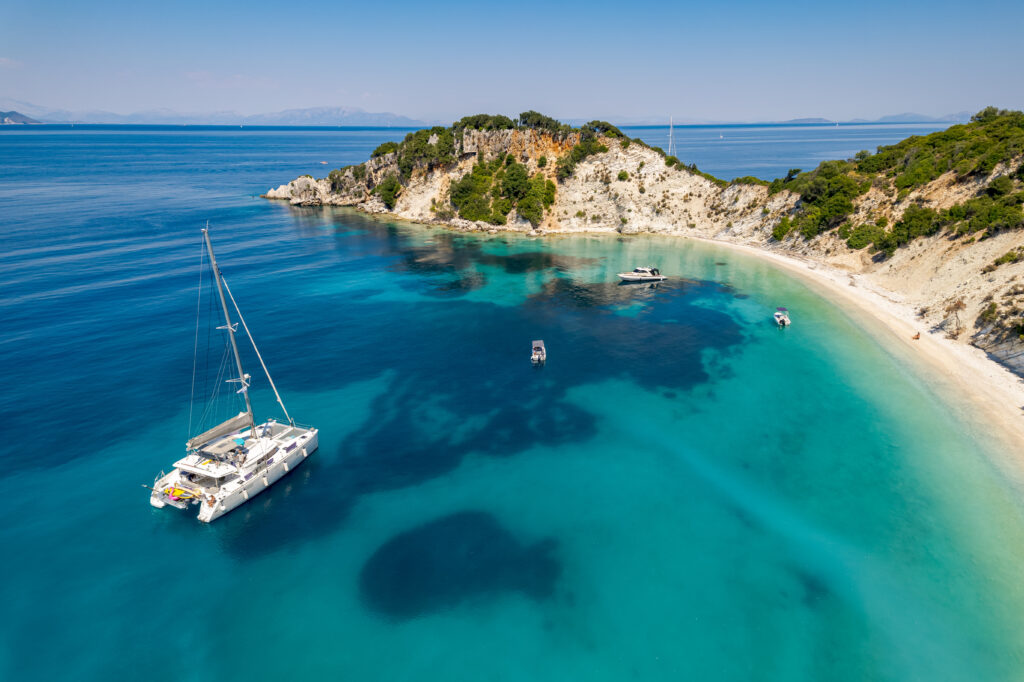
x,y
671,138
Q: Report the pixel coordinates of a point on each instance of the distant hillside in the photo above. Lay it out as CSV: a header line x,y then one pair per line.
x,y
14,118
808,120
332,116
958,117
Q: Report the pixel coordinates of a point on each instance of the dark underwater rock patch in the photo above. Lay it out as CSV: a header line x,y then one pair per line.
x,y
441,564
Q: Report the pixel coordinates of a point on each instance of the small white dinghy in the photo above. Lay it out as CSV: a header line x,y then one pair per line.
x,y
782,317
538,354
642,275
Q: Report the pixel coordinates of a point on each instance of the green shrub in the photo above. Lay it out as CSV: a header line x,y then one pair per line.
x,y
749,180
624,143
781,229
536,121
623,175
388,191
864,235
671,161
1008,257
502,206
999,186
485,122
542,161
385,148
602,128
516,182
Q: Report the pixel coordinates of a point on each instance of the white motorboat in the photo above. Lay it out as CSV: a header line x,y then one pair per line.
x,y
538,353
228,464
642,275
782,317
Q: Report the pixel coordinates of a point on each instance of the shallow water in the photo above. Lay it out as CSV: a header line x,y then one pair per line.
x,y
683,491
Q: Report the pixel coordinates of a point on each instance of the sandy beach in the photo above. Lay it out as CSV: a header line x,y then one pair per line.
x,y
990,395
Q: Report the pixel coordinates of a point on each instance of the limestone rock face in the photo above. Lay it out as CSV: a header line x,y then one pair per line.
x,y
305,191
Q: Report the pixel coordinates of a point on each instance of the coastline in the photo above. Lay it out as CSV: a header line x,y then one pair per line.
x,y
962,374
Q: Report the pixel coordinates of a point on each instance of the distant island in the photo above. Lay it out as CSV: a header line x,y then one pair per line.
x,y
798,121
14,118
935,219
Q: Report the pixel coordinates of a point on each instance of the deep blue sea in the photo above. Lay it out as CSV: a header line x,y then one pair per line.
x,y
683,492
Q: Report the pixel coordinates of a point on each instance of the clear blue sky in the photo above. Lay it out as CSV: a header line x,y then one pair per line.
x,y
739,60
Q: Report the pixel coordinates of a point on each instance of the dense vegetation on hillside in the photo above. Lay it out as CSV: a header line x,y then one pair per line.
x,y
493,188
970,151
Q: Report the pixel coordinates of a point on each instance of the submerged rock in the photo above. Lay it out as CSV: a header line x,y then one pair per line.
x,y
464,556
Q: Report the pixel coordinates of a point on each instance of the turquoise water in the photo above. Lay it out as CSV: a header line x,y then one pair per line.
x,y
682,492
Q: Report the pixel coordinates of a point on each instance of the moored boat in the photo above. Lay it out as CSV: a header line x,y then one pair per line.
x,y
233,461
538,353
781,317
642,275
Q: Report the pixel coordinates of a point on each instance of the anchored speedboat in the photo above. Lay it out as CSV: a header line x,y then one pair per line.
x,y
782,317
538,354
230,463
642,275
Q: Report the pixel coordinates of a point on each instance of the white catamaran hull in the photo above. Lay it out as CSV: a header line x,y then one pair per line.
x,y
236,496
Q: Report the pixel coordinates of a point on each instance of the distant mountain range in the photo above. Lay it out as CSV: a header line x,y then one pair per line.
x,y
352,116
14,118
317,116
959,117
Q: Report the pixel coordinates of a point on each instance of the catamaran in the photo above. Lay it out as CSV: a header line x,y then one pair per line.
x,y
228,464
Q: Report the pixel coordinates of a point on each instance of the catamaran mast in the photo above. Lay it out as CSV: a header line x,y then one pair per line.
x,y
244,390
